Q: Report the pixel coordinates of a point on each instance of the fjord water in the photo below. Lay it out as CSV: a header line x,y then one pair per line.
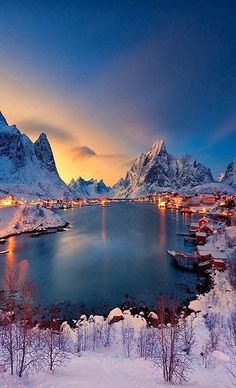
x,y
110,252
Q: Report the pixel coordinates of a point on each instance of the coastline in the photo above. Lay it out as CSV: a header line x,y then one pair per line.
x,y
17,220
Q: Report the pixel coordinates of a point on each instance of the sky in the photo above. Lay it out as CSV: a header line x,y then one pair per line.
x,y
104,79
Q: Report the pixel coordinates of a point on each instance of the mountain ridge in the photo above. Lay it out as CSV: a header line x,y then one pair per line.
x,y
91,188
156,169
28,168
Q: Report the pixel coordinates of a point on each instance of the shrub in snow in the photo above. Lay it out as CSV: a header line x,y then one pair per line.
x,y
212,323
127,338
146,342
170,355
55,347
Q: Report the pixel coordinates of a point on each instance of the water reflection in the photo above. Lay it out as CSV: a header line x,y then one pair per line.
x,y
162,239
111,251
23,271
103,228
9,275
16,270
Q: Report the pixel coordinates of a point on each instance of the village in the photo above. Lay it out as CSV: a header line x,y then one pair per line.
x,y
213,215
215,204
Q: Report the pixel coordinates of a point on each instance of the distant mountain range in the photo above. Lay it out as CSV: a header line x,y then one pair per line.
x,y
28,170
89,189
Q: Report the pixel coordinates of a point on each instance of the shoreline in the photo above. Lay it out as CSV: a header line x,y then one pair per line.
x,y
41,231
17,220
136,309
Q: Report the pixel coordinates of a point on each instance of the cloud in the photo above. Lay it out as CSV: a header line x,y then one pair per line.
x,y
226,130
112,156
35,127
85,152
81,152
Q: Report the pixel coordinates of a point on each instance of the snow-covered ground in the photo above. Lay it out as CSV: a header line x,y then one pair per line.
x,y
21,219
111,368
111,365
98,370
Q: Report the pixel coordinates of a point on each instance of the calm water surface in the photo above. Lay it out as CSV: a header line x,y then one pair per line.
x,y
110,252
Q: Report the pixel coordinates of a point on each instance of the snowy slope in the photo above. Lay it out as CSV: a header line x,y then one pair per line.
x,y
208,188
88,189
230,174
156,170
28,169
20,219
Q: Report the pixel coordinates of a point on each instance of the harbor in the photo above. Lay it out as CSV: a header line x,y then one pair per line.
x,y
207,254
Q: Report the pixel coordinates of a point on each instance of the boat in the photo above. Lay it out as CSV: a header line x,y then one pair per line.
x,y
3,240
186,255
3,252
204,264
36,234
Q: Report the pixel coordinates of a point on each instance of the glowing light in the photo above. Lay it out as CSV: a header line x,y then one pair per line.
x,y
161,203
7,201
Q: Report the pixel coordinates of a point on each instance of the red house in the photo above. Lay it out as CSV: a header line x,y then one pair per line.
x,y
202,221
201,238
219,264
208,229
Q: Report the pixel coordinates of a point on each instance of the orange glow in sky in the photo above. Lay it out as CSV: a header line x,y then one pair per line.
x,y
35,108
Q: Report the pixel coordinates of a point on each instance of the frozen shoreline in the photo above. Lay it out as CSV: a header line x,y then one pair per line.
x,y
15,220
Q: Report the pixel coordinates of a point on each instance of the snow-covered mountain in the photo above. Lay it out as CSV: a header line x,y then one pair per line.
x,y
88,189
28,169
157,170
230,174
220,176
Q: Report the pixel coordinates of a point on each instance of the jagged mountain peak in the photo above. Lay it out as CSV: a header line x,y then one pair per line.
x,y
42,137
44,152
158,146
230,174
156,170
72,181
3,119
91,188
28,169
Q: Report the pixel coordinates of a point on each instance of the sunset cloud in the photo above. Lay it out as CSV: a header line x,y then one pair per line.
x,y
35,127
82,152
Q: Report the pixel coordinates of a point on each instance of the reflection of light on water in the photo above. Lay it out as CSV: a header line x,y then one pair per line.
x,y
162,239
9,277
11,247
13,272
23,270
103,230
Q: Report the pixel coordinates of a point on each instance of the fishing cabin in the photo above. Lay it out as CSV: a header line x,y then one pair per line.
x,y
218,260
201,238
208,229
